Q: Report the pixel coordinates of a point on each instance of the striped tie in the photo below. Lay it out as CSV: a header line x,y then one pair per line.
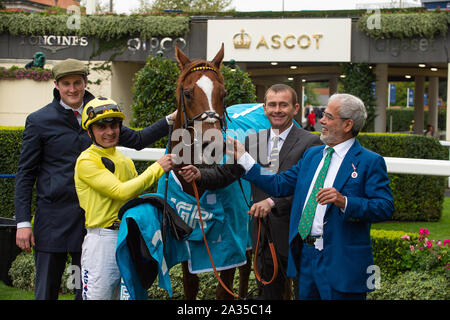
x,y
304,226
274,157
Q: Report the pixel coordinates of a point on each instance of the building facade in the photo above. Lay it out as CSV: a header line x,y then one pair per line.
x,y
271,50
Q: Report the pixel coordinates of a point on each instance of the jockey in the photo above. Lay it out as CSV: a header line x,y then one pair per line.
x,y
104,180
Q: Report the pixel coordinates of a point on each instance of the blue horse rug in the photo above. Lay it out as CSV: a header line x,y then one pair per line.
x,y
225,221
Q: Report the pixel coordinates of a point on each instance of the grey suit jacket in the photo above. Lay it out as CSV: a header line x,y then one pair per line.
x,y
296,143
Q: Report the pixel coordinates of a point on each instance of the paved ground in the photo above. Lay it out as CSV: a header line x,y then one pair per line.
x,y
447,192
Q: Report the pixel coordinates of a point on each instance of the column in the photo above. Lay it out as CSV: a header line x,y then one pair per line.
x,y
418,104
447,123
121,86
91,6
260,92
381,72
242,66
298,87
333,84
433,96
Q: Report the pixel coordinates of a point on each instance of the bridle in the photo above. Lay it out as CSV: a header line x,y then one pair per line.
x,y
207,116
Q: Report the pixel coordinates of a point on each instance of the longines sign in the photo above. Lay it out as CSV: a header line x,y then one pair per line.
x,y
55,43
306,40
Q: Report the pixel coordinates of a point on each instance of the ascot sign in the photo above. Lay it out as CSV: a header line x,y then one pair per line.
x,y
309,40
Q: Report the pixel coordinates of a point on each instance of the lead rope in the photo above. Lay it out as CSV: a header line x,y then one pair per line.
x,y
258,277
271,247
272,252
194,186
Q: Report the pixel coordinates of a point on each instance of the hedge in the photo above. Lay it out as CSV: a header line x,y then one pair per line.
x,y
388,251
389,255
10,143
105,27
401,119
416,197
413,285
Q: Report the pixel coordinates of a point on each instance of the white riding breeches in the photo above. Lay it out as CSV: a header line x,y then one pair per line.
x,y
99,271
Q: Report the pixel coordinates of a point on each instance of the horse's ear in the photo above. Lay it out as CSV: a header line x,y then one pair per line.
x,y
217,61
181,57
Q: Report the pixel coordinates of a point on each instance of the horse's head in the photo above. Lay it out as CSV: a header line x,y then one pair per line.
x,y
201,110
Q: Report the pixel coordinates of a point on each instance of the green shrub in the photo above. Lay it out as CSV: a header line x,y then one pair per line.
x,y
413,24
207,285
358,81
154,91
413,285
389,251
23,273
426,254
239,86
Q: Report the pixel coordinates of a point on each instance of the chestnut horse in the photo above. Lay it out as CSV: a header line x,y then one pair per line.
x,y
200,96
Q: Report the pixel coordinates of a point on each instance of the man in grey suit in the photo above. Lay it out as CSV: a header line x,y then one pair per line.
x,y
280,106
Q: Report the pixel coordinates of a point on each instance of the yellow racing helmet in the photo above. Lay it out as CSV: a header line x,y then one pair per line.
x,y
100,109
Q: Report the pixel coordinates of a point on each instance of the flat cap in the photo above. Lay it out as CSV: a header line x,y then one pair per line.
x,y
69,66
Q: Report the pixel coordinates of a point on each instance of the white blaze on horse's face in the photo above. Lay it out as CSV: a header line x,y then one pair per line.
x,y
206,84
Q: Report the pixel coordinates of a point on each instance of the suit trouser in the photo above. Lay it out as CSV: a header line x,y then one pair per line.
x,y
50,267
313,283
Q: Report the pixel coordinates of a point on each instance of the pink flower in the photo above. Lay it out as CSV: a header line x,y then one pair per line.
x,y
446,241
406,237
411,248
429,244
423,231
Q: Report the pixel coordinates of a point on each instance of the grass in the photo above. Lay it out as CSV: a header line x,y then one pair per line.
x,y
10,293
438,230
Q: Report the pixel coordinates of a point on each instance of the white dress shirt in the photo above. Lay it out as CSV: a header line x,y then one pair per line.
x,y
80,110
340,151
282,137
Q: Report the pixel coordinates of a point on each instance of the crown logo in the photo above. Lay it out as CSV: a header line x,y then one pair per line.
x,y
242,40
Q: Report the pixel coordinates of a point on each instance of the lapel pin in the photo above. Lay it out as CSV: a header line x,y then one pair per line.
x,y
354,173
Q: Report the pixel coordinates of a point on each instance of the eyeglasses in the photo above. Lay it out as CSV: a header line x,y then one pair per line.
x,y
329,116
93,112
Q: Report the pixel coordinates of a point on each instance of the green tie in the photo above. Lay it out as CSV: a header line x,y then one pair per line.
x,y
304,226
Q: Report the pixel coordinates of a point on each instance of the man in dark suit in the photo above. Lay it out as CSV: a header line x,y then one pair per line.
x,y
339,190
280,107
52,141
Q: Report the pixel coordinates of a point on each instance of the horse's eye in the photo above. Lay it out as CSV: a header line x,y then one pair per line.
x,y
187,94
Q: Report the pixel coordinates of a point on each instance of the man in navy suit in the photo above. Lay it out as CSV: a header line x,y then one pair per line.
x,y
333,257
52,141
